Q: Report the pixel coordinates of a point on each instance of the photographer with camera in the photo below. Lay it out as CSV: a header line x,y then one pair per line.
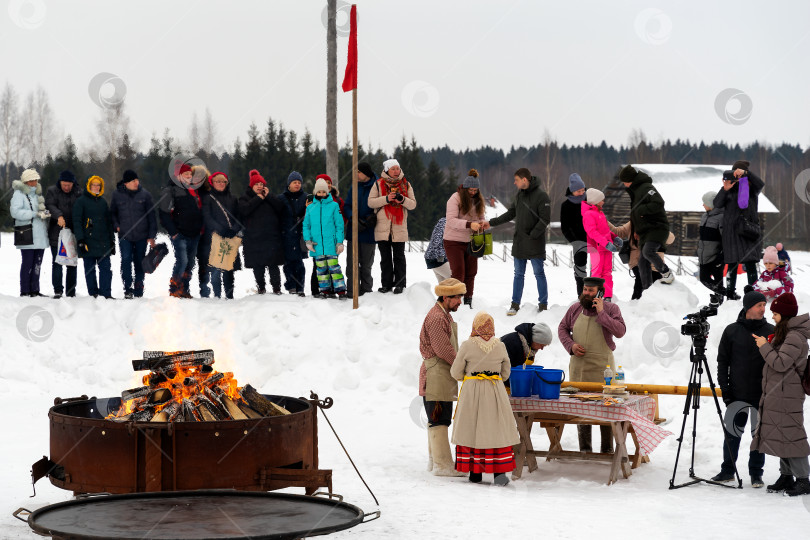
x,y
739,374
587,331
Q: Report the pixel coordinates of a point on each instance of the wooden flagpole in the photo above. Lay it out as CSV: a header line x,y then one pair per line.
x,y
355,280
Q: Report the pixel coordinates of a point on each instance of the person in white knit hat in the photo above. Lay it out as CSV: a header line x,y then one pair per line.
x,y
393,194
30,229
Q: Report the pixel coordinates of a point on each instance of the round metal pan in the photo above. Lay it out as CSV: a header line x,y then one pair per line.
x,y
199,515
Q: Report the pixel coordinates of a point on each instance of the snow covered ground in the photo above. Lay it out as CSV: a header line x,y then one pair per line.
x,y
368,360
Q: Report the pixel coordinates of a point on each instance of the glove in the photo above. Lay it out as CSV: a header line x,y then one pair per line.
x,y
44,214
82,246
618,242
339,248
311,245
611,247
240,234
728,397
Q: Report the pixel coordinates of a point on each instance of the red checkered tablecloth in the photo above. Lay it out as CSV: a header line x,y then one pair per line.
x,y
638,410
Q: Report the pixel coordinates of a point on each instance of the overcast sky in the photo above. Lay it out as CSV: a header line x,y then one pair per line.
x,y
465,73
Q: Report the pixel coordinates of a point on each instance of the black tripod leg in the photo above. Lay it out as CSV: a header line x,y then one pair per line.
x,y
726,434
695,405
686,406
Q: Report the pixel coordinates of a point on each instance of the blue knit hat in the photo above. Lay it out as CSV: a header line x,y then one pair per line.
x,y
295,175
575,182
67,176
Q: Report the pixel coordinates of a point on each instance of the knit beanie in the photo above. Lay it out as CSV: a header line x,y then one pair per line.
x,y
365,168
471,182
255,178
295,175
214,175
541,333
627,174
184,168
388,163
708,198
129,176
28,175
752,298
320,185
785,305
67,176
770,256
594,196
575,182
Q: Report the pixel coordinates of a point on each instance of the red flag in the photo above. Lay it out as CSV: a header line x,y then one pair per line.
x,y
350,78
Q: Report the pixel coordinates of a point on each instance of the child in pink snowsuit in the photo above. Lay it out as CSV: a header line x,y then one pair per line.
x,y
774,280
601,242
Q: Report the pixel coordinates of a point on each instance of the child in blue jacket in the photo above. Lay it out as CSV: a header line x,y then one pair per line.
x,y
323,234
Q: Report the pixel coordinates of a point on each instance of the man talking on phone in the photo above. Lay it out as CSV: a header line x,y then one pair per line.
x,y
587,331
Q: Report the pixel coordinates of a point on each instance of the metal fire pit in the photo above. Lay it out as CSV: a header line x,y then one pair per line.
x,y
196,515
90,454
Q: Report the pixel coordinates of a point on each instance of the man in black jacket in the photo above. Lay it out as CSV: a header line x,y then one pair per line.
x,y
59,201
133,215
366,219
572,228
739,374
650,223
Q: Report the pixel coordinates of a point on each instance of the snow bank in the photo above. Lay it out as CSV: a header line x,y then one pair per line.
x,y
368,360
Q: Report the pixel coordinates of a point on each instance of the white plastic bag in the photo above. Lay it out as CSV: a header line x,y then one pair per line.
x,y
66,252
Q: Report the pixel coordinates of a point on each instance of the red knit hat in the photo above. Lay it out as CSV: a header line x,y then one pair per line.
x,y
785,305
326,177
211,178
255,178
184,168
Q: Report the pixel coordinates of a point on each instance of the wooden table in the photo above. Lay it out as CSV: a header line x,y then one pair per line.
x,y
633,417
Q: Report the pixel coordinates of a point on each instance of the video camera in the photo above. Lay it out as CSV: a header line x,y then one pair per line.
x,y
696,323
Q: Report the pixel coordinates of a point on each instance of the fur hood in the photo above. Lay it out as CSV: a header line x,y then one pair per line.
x,y
26,190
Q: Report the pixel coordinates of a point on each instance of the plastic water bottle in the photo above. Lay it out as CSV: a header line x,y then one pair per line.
x,y
619,378
608,374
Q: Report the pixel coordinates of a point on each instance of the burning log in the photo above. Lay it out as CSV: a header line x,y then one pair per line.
x,y
168,414
190,413
233,409
143,415
208,410
134,393
262,405
156,360
250,413
161,395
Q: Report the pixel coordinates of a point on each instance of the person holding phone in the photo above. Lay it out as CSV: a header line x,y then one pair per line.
x,y
742,235
587,332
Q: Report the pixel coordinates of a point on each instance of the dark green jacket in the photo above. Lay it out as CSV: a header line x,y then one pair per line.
x,y
647,211
531,211
92,223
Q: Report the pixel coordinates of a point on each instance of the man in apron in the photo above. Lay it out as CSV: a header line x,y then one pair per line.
x,y
587,331
438,344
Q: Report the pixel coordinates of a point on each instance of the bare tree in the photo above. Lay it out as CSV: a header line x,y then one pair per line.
x,y
209,133
331,91
9,130
637,141
38,131
194,135
112,125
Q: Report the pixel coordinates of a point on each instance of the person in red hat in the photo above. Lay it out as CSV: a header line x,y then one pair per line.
x,y
781,430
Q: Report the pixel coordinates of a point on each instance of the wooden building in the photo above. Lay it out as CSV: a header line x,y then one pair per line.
x,y
682,187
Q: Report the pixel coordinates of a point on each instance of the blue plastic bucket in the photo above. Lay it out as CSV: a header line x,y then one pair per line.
x,y
535,380
520,382
550,381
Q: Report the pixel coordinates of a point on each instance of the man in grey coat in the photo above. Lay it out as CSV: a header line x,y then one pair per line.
x,y
710,245
531,211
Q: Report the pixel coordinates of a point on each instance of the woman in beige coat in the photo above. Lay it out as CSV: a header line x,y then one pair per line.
x,y
484,427
392,197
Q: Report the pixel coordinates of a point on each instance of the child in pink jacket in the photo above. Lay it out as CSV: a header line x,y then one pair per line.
x,y
601,242
775,280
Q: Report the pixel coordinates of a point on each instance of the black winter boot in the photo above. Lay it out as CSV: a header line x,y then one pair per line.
x,y
731,294
785,482
606,443
801,487
475,477
584,435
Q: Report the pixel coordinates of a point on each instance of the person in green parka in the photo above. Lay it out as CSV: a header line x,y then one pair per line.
x,y
95,239
323,235
650,223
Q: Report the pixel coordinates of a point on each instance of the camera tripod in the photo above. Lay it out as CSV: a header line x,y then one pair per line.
x,y
697,355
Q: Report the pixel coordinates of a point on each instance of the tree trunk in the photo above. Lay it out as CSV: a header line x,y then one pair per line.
x,y
331,93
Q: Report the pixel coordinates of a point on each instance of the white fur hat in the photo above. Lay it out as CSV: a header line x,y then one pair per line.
x,y
388,163
29,175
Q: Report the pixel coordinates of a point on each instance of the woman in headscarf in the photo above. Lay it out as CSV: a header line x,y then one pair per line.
x,y
484,427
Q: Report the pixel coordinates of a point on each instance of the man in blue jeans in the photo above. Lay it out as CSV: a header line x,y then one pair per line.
x,y
531,212
133,215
